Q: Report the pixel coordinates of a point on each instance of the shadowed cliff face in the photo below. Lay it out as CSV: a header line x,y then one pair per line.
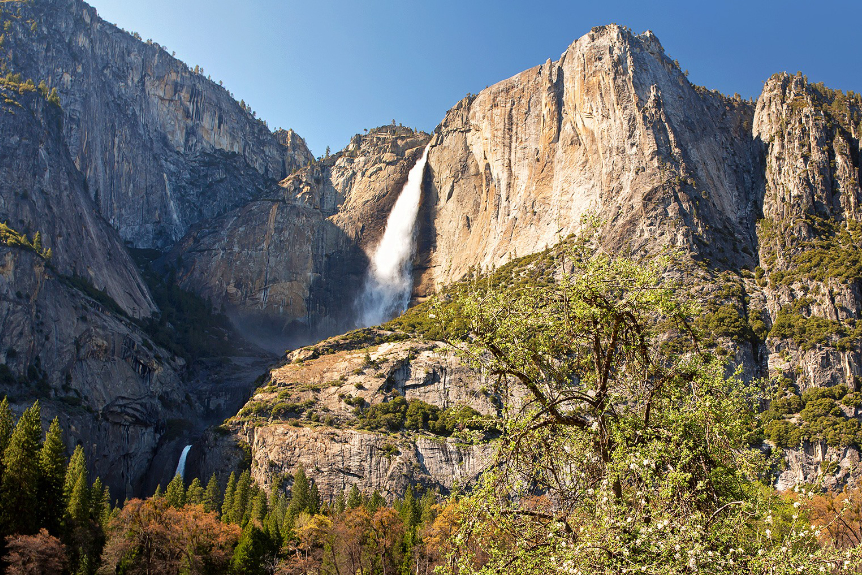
x,y
86,361
161,147
613,128
289,266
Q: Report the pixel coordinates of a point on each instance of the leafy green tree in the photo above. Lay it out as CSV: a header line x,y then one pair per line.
x,y
52,475
19,485
623,455
375,502
77,466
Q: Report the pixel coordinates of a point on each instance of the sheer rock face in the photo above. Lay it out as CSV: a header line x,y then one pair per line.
x,y
612,128
161,146
88,365
291,263
812,193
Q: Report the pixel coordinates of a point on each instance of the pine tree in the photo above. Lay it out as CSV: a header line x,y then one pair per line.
x,y
19,485
7,425
340,504
410,511
249,557
195,493
78,505
241,499
259,508
175,494
100,503
300,496
426,504
228,497
313,506
376,502
77,465
354,498
211,495
52,475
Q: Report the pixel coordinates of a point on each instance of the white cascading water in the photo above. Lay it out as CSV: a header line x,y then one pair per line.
x,y
181,466
386,292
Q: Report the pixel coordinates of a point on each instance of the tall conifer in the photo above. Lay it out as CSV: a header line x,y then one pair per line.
x,y
52,476
19,485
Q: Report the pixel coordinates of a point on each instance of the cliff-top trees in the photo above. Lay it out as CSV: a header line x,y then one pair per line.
x,y
628,453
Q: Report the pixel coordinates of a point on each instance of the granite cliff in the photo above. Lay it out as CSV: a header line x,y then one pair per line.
x,y
760,199
160,145
290,264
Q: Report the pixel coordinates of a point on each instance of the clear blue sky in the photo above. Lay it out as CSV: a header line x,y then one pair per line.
x,y
330,68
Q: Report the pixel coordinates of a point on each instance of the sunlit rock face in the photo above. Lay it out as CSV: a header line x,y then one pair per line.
x,y
612,128
161,147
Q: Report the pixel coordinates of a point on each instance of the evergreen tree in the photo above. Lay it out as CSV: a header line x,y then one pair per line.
x,y
52,475
354,498
7,425
19,485
211,495
340,504
249,557
426,506
100,504
375,502
175,494
228,497
78,505
300,496
158,493
195,493
313,499
410,511
259,508
77,465
241,498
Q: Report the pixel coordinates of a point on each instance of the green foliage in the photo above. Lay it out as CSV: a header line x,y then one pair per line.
x,y
52,473
19,486
175,493
398,413
12,238
625,457
814,416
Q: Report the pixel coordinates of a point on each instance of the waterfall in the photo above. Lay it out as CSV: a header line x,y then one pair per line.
x,y
181,466
389,281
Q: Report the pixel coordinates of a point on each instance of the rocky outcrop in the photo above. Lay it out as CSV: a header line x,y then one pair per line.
x,y
309,414
289,265
160,145
612,128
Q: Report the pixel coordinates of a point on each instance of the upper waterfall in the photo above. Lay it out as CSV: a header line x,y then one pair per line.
x,y
389,281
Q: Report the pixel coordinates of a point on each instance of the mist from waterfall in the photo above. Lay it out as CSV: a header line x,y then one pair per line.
x,y
389,281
